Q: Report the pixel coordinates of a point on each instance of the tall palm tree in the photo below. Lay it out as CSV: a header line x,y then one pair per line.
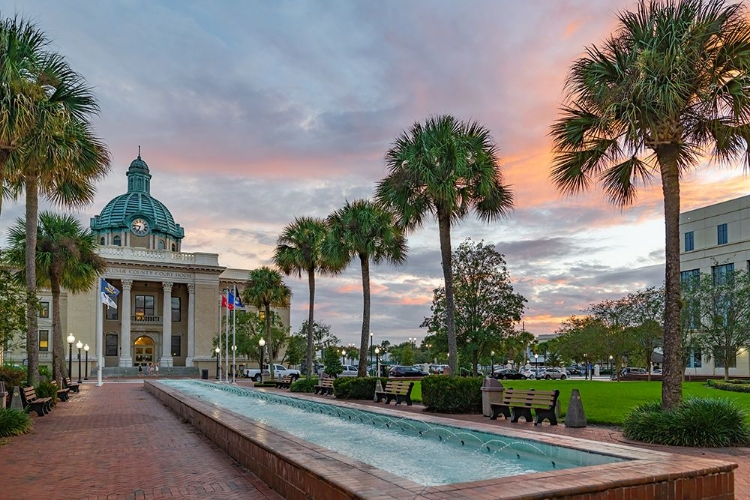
x,y
300,249
66,258
366,230
444,167
668,88
265,288
59,158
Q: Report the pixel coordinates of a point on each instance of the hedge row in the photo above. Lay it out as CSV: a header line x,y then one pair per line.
x,y
730,385
452,394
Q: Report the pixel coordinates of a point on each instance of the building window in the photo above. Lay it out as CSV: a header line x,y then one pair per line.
x,y
176,345
174,247
101,240
696,359
161,244
44,309
116,241
144,307
262,315
689,277
722,273
689,241
44,340
176,309
111,345
722,234
112,312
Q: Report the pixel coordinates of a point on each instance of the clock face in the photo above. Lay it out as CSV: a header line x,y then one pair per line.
x,y
139,227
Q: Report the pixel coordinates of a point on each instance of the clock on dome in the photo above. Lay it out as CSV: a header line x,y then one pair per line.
x,y
139,227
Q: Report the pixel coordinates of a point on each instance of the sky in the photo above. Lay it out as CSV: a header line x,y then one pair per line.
x,y
252,113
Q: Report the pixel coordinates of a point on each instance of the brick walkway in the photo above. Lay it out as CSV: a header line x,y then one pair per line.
x,y
117,442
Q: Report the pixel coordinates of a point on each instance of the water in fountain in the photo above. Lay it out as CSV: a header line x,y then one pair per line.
x,y
422,452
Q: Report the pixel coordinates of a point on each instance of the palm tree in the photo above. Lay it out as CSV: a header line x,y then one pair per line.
x,y
364,229
299,249
444,168
66,258
265,288
669,87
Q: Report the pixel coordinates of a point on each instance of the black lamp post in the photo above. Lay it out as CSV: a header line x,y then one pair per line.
x,y
71,341
217,350
492,363
86,369
79,345
377,361
343,353
261,343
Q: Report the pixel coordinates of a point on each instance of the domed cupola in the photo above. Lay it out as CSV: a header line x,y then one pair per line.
x,y
136,218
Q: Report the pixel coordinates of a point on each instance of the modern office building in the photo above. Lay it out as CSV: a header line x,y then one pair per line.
x,y
169,306
716,240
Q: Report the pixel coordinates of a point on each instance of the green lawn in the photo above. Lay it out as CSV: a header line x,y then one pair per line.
x,y
607,403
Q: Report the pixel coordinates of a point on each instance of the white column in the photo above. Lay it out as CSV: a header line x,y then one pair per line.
x,y
166,336
125,358
191,325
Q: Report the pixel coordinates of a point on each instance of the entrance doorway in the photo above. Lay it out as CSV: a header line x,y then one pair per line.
x,y
143,350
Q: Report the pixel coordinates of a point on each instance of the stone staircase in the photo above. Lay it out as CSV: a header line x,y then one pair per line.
x,y
132,371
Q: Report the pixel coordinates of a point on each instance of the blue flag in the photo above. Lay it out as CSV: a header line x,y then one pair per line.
x,y
108,293
237,301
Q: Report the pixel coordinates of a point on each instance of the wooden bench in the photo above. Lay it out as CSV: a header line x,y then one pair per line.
x,y
285,382
325,386
62,394
41,406
70,385
399,390
519,403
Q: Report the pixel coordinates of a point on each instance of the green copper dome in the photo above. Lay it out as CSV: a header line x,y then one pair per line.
x,y
137,203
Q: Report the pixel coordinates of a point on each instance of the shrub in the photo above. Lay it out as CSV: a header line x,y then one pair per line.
x,y
14,422
452,394
45,372
356,387
47,390
304,385
729,385
701,422
12,376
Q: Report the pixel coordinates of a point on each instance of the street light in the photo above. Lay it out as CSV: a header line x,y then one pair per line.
x,y
343,354
79,345
586,366
536,362
217,350
86,372
71,341
492,362
377,361
261,343
610,366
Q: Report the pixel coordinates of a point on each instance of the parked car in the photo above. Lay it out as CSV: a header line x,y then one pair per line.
x,y
349,371
405,371
508,374
575,370
553,373
438,369
279,371
528,372
629,370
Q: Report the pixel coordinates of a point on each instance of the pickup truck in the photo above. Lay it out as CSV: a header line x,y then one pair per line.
x,y
279,371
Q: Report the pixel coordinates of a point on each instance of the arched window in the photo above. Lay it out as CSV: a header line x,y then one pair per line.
x,y
101,240
161,244
116,241
174,247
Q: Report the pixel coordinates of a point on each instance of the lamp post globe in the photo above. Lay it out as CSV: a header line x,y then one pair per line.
x,y
79,346
261,343
71,341
343,354
217,351
86,369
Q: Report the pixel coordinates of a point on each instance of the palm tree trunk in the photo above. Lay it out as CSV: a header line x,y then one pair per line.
x,y
310,319
32,333
270,340
58,344
671,373
364,339
444,224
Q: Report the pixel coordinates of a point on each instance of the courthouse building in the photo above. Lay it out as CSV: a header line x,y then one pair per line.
x,y
715,240
168,309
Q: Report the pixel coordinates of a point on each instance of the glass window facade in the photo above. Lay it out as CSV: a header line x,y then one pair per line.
x,y
176,316
111,345
689,241
722,234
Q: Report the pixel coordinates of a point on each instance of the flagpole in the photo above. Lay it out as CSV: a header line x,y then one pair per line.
x,y
234,338
218,354
226,344
99,333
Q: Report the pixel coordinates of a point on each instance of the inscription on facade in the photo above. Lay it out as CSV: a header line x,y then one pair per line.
x,y
148,273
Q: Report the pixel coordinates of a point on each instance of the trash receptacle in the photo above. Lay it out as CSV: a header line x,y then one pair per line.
x,y
204,374
492,393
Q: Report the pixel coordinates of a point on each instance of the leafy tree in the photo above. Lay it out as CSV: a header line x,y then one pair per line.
x,y
295,350
669,88
12,308
365,230
723,305
331,362
444,167
299,249
264,289
322,336
52,150
645,313
486,305
66,258
250,328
